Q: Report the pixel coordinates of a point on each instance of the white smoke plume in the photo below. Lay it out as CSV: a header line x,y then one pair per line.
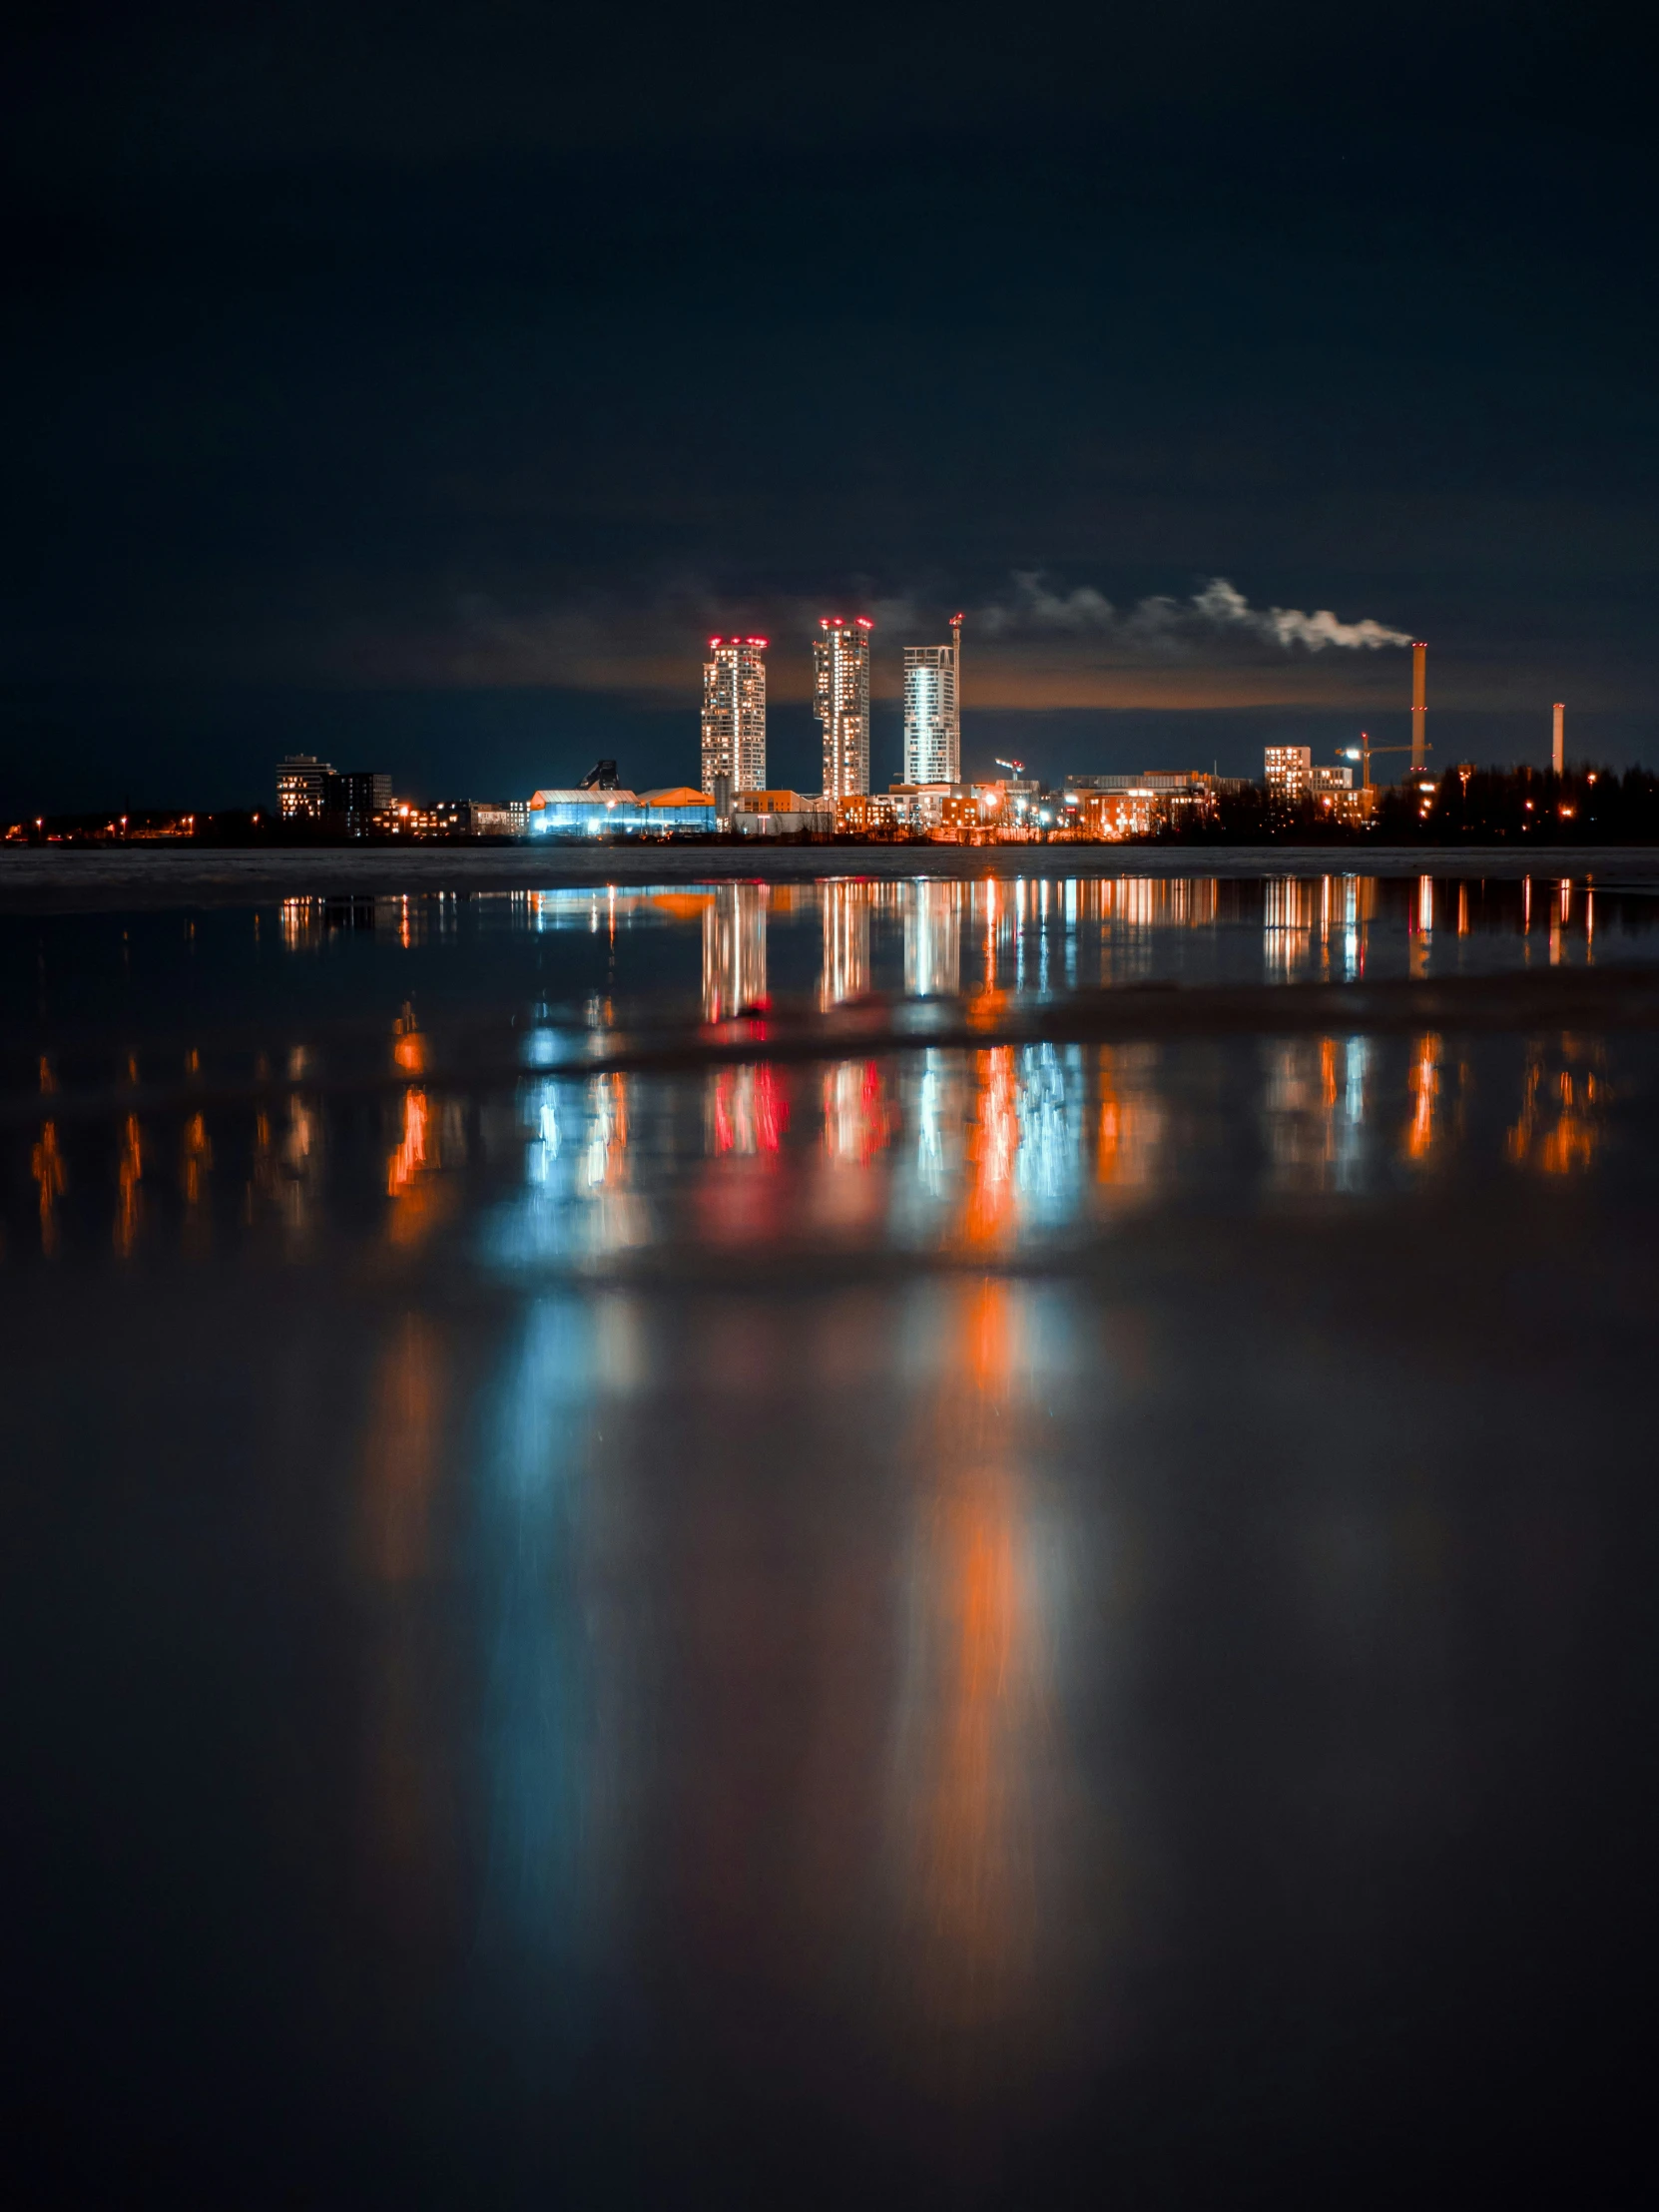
x,y
1167,623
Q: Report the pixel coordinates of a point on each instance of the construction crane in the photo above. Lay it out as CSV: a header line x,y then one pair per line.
x,y
1363,751
1014,768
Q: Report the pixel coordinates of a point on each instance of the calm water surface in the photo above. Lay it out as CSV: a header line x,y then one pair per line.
x,y
600,1611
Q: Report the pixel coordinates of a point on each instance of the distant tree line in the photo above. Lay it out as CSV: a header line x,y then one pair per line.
x,y
1583,806
1470,806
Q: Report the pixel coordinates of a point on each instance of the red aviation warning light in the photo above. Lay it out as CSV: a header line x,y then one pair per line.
x,y
865,623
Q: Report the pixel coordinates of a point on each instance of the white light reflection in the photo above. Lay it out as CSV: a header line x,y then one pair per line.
x,y
846,972
1048,1166
734,951
546,1754
1289,911
578,1200
932,939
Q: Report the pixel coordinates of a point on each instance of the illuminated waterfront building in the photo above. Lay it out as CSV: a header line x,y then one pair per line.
x,y
919,805
735,714
1113,814
869,815
1333,791
1179,798
358,801
782,813
932,719
840,700
1288,772
302,788
610,812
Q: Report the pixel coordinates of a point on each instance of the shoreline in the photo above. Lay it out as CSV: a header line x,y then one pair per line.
x,y
104,877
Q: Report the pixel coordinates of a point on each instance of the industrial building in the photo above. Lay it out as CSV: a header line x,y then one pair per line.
x,y
781,813
589,812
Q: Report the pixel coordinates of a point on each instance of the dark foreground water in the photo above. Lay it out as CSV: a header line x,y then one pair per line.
x,y
816,1546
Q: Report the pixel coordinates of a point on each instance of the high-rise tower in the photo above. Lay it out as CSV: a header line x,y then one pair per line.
x,y
840,699
932,711
735,714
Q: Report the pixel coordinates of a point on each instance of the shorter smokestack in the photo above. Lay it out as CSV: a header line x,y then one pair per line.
x,y
1558,752
1420,703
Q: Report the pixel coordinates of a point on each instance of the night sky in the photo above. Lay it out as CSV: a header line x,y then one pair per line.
x,y
422,386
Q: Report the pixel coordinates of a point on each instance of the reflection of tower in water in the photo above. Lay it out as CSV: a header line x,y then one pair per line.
x,y
1314,1112
933,940
1562,1095
407,1811
1421,926
1292,908
1129,1133
734,951
846,907
980,1768
1423,1084
988,1215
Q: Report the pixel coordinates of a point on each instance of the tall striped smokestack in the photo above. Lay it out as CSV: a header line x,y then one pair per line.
x,y
1558,752
956,734
1420,701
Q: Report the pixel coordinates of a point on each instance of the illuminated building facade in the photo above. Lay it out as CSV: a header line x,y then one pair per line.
x,y
584,813
1288,772
921,805
782,813
302,788
358,801
1333,793
1113,814
735,714
933,722
868,815
840,700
